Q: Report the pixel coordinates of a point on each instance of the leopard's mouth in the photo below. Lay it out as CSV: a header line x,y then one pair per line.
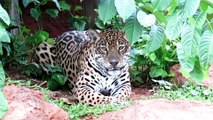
x,y
115,68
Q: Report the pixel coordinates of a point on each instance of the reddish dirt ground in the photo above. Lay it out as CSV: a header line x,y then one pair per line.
x,y
162,109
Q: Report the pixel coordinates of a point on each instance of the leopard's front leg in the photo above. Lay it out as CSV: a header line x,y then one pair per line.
x,y
123,92
85,92
91,97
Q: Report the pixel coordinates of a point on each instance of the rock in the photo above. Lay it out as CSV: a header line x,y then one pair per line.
x,y
29,104
162,109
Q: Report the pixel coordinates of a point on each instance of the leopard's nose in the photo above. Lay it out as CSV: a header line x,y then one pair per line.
x,y
113,63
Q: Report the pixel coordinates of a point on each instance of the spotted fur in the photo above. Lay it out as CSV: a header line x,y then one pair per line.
x,y
96,64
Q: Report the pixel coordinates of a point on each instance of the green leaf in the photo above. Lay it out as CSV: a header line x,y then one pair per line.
x,y
4,16
3,104
125,8
159,15
203,6
27,2
57,4
52,12
4,37
2,76
51,41
146,20
161,5
133,29
52,84
157,72
174,26
186,62
197,74
35,13
59,78
106,10
156,38
39,36
80,25
78,8
190,8
65,6
189,40
200,18
206,48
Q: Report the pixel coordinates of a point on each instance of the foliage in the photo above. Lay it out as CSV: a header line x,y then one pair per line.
x,y
76,21
4,38
77,111
187,91
55,77
21,52
3,103
164,32
36,12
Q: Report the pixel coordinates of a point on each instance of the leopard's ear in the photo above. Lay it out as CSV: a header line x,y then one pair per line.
x,y
93,34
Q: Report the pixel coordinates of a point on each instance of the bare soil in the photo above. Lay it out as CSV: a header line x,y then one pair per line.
x,y
162,109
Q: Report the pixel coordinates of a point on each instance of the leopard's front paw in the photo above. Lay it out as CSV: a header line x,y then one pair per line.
x,y
116,101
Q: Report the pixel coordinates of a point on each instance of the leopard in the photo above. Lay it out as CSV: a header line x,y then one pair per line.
x,y
95,62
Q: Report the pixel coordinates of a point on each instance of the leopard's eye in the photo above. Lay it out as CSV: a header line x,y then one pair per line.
x,y
103,49
121,48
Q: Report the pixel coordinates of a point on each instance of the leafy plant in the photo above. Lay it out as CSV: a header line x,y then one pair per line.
x,y
55,77
164,32
36,11
4,38
187,91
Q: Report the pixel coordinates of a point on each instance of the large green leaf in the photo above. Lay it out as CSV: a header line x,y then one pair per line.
x,y
4,16
206,48
125,8
197,74
190,34
174,26
146,20
189,40
3,102
133,29
186,62
159,15
156,38
4,37
200,18
190,8
106,10
161,5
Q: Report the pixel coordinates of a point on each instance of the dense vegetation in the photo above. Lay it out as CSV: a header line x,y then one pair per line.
x,y
162,33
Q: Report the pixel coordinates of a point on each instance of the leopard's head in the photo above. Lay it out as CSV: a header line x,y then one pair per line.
x,y
112,51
